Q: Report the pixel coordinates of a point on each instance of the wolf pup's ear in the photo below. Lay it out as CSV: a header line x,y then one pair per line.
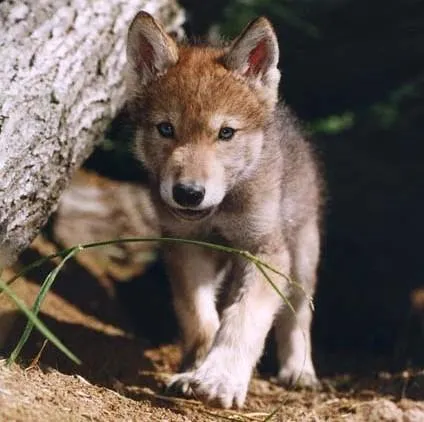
x,y
150,51
254,55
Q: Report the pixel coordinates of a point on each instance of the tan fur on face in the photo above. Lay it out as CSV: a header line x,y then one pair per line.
x,y
199,96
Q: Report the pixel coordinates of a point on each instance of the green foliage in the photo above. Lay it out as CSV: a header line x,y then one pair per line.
x,y
391,113
35,321
333,124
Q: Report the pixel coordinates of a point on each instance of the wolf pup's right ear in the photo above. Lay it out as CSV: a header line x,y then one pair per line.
x,y
254,55
150,51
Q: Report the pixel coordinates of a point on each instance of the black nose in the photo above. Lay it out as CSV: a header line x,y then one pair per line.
x,y
188,195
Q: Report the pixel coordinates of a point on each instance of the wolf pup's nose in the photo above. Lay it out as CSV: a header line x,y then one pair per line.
x,y
188,195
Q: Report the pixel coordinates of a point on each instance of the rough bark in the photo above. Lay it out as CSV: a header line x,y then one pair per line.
x,y
61,82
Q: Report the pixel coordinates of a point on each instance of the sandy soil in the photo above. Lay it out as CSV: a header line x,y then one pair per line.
x,y
123,375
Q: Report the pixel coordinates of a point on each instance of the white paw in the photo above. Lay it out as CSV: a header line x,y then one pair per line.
x,y
220,384
220,381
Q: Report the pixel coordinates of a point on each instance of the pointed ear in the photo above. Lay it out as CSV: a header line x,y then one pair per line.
x,y
150,51
254,55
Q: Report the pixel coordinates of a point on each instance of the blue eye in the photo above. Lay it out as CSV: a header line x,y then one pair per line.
x,y
165,129
226,133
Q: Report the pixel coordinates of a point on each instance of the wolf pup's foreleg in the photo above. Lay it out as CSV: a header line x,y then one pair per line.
x,y
293,330
195,274
224,375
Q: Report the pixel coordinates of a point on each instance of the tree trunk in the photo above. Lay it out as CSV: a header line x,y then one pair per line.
x,y
61,83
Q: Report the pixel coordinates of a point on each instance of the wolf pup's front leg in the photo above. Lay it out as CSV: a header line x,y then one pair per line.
x,y
223,378
195,275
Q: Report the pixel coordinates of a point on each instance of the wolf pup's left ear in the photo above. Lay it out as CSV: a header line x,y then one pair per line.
x,y
150,51
254,55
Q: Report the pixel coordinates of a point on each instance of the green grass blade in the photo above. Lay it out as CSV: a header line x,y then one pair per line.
x,y
33,320
67,253
275,287
45,287
37,322
222,248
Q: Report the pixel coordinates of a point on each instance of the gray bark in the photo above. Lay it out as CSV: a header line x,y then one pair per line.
x,y
61,82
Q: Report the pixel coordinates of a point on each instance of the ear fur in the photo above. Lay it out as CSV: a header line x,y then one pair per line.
x,y
150,51
254,55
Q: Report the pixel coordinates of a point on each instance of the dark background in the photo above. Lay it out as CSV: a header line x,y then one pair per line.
x,y
353,71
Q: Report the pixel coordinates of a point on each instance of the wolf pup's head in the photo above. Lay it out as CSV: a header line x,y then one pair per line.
x,y
200,112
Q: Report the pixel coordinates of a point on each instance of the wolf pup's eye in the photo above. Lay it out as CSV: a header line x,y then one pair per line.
x,y
165,129
226,133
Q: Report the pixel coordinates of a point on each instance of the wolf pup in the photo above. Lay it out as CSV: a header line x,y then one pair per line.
x,y
229,165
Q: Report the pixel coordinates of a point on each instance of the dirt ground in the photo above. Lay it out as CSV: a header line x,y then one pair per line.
x,y
122,376
125,335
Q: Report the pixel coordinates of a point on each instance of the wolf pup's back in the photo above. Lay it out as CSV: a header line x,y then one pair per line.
x,y
228,164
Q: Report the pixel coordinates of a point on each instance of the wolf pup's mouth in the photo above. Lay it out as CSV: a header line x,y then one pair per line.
x,y
191,215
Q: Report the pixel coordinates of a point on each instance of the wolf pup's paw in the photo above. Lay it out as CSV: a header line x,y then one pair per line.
x,y
221,381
